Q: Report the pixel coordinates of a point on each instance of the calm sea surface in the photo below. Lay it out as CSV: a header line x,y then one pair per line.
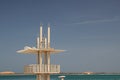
x,y
68,77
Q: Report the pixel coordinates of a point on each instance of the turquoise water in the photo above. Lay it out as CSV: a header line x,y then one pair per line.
x,y
68,77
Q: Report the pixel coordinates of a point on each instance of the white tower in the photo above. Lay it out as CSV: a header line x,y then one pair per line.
x,y
43,51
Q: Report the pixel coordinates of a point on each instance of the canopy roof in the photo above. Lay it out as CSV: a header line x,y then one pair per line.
x,y
35,50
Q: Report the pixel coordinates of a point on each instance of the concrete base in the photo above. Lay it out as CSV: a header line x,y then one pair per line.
x,y
43,77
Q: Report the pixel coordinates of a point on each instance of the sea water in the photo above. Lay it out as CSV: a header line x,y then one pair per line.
x,y
68,77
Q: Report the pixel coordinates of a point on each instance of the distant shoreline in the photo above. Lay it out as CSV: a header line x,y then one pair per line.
x,y
62,73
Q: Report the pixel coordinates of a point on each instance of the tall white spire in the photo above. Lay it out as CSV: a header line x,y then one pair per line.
x,y
48,36
40,43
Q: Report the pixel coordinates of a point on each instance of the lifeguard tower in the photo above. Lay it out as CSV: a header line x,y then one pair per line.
x,y
43,68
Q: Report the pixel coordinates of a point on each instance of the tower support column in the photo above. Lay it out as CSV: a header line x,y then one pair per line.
x,y
48,61
48,77
38,77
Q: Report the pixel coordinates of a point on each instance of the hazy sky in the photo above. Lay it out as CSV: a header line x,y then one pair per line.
x,y
88,29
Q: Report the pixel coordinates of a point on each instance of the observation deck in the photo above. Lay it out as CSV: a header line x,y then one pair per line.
x,y
41,68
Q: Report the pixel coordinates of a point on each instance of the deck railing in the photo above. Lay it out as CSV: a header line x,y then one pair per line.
x,y
43,68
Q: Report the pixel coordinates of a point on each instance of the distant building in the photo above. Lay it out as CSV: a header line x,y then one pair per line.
x,y
7,72
88,73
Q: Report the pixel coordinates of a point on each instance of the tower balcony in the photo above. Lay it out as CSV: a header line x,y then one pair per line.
x,y
41,68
